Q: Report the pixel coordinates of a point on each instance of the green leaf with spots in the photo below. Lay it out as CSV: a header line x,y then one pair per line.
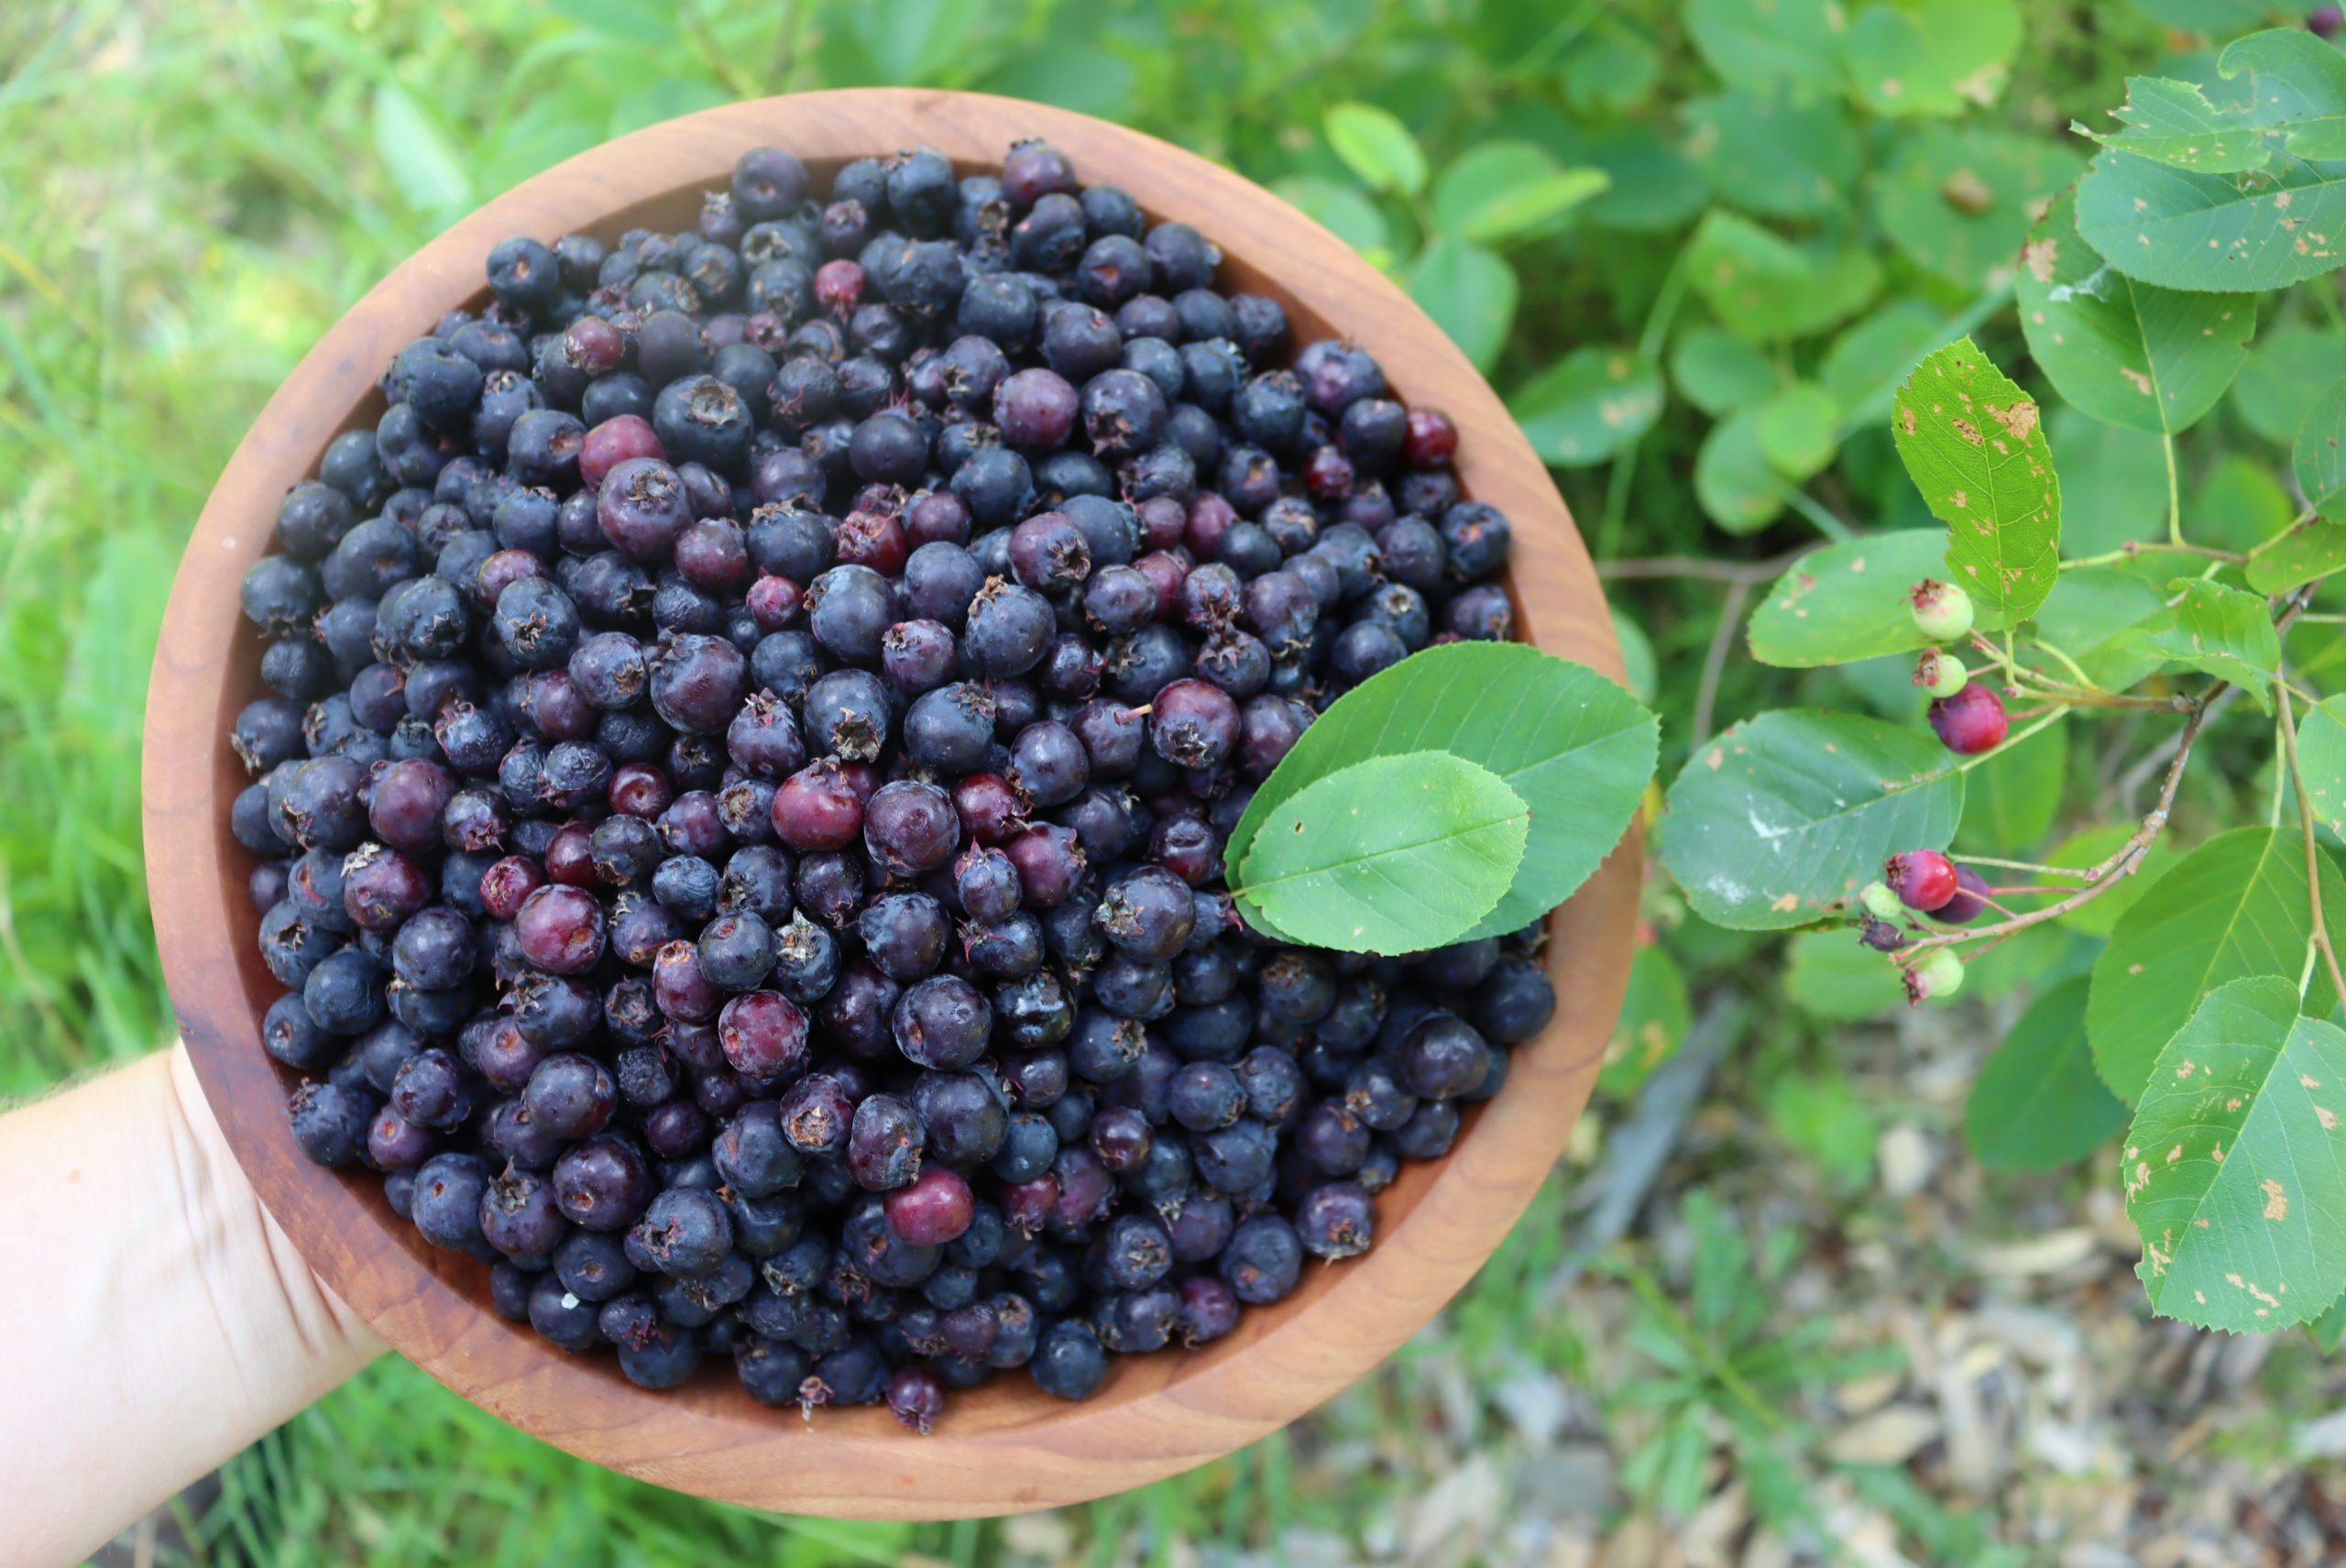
x,y
2174,123
2307,551
1848,601
1572,744
2322,758
1787,43
1798,428
2125,352
2036,1104
2226,633
1959,200
1779,821
1510,190
1768,154
2236,1165
2286,374
1377,147
1931,57
2014,796
2320,459
1586,406
1470,294
1715,370
1394,854
1869,357
2296,105
2265,228
1971,442
2236,906
1735,484
1767,287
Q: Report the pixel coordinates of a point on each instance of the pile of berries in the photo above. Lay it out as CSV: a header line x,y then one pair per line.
x,y
753,734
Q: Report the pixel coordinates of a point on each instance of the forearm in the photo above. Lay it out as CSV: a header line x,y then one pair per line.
x,y
160,1321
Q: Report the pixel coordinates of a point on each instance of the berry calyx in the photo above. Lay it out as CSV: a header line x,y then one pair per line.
x,y
1882,936
1940,674
1922,879
1937,973
1880,901
1942,610
1971,721
1970,898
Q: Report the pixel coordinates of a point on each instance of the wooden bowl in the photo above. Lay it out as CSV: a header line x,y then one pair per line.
x,y
1007,1447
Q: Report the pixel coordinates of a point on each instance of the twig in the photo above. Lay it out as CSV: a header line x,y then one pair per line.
x,y
1707,694
2037,866
2304,822
1818,516
2173,497
2154,547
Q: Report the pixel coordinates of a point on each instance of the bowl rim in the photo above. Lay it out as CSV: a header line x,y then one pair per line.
x,y
1002,1449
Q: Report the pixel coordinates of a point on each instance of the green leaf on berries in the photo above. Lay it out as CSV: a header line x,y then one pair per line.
x,y
1769,289
1510,190
1588,405
1576,746
2319,458
2225,632
1715,370
1790,43
1391,855
1781,156
1931,57
2015,794
1848,601
2087,616
2235,907
1377,147
2036,1104
2236,1165
2286,374
1655,1016
2322,758
2125,352
1470,293
1866,361
2299,555
1735,484
1973,443
1779,821
1959,200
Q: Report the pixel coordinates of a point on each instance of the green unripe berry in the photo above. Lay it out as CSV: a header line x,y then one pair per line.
x,y
1883,902
1937,973
1942,610
1940,674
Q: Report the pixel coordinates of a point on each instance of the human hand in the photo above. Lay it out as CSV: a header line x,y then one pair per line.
x,y
160,1321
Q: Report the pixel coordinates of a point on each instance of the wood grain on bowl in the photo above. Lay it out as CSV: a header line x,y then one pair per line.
x,y
1007,1447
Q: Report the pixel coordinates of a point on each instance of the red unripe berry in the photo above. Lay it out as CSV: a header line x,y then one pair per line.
x,y
819,808
1925,879
1970,898
772,602
561,929
1971,721
639,789
988,808
612,443
506,884
934,1210
839,286
1432,439
570,858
